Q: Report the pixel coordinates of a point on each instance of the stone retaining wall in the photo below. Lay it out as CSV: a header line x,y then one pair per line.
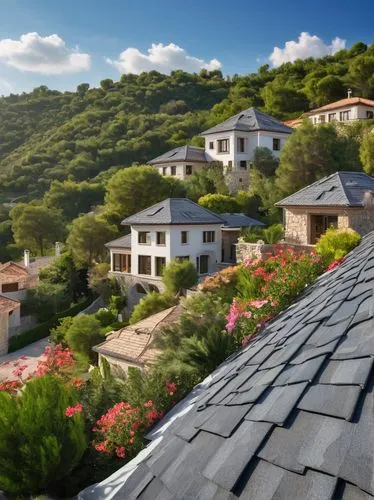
x,y
262,250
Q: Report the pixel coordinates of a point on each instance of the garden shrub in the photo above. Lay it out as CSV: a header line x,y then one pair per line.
x,y
151,303
336,243
105,317
83,334
39,444
58,333
179,275
46,299
222,284
270,235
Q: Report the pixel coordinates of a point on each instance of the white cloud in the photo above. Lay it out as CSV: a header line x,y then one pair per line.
x,y
306,46
48,55
162,58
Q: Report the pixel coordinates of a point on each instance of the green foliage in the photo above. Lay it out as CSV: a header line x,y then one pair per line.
x,y
151,303
39,445
336,243
249,204
36,226
179,275
58,333
83,334
367,153
87,237
105,317
265,162
219,203
270,235
207,180
46,299
98,280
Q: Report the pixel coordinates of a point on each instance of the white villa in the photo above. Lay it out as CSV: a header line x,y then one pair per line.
x,y
176,228
231,142
345,110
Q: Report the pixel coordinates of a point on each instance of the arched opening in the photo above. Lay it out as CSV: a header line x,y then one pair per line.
x,y
153,288
140,289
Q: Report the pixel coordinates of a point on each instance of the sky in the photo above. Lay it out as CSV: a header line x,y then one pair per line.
x,y
63,43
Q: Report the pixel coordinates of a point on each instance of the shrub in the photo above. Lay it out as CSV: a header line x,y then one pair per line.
x,y
83,334
105,317
151,303
46,299
273,234
58,334
179,275
222,284
39,444
336,243
219,203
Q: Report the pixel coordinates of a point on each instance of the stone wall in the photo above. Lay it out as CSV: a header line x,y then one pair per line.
x,y
296,226
4,333
237,179
262,250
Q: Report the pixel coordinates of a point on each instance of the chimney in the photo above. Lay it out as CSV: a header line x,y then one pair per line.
x,y
57,249
349,93
26,258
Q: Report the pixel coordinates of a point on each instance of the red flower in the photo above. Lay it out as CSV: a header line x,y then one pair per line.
x,y
335,264
171,388
120,452
72,410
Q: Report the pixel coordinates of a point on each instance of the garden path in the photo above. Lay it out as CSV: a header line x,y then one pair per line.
x,y
32,353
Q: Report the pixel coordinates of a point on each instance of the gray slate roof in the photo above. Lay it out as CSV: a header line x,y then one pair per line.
x,y
183,153
289,417
239,220
250,120
339,189
122,242
174,211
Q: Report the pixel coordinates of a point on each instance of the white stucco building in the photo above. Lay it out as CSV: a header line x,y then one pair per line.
x,y
345,110
232,142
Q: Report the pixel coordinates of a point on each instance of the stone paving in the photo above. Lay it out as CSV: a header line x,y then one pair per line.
x,y
30,354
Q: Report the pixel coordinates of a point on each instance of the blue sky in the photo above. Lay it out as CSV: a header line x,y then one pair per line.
x,y
64,43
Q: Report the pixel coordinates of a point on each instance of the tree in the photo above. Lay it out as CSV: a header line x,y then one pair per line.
x,y
36,226
367,153
46,299
151,303
361,74
311,153
281,98
207,180
219,203
179,275
83,334
39,445
133,189
87,237
249,203
265,161
82,88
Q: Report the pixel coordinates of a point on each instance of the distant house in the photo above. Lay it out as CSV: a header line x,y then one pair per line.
x,y
14,280
9,318
345,110
231,142
344,199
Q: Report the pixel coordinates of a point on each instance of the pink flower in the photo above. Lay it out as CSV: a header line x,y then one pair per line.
x,y
257,303
335,264
19,370
171,388
120,451
72,410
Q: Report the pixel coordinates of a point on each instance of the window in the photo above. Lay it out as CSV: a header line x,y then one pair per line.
x,y
276,144
10,287
164,170
122,263
332,117
319,225
160,238
322,119
241,144
202,264
209,236
144,238
144,264
173,170
160,264
369,114
243,164
183,258
188,169
184,237
211,145
345,115
223,146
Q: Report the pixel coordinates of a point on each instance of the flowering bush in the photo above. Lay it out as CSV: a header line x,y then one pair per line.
x,y
266,287
336,243
56,361
335,264
222,284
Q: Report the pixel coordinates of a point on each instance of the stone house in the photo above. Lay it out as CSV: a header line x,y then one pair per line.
x,y
231,142
9,318
343,199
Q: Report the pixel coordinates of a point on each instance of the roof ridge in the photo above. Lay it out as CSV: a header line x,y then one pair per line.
x,y
343,187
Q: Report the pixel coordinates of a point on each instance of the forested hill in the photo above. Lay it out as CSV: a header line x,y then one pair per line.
x,y
47,135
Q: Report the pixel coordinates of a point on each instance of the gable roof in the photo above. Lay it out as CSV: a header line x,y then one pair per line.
x,y
122,242
183,153
345,189
233,221
250,120
174,211
10,272
290,416
135,342
8,305
349,101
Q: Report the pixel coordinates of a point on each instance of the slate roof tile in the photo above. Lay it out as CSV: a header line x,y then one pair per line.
x,y
359,342
350,371
353,493
224,421
304,372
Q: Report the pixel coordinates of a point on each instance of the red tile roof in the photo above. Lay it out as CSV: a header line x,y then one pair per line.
x,y
349,101
8,305
10,272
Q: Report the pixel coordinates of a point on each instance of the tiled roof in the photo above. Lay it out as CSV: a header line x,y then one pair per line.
x,y
349,101
183,153
10,272
295,122
122,242
346,189
8,305
174,211
291,416
239,220
250,120
135,342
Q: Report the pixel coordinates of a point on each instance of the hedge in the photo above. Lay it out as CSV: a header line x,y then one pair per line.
x,y
41,331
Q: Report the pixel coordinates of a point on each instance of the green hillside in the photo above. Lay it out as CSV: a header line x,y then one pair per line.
x,y
47,135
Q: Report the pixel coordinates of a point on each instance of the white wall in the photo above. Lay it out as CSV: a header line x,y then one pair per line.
x,y
180,168
357,112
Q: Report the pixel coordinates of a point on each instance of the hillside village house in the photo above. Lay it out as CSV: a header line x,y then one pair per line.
x,y
9,318
345,110
344,199
176,228
231,142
